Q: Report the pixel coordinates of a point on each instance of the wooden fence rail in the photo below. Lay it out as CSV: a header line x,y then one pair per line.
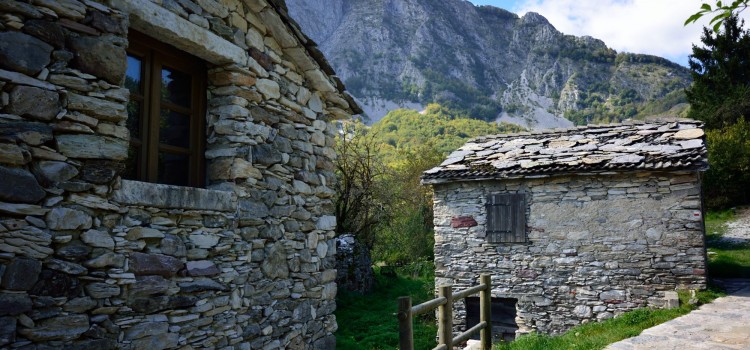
x,y
444,304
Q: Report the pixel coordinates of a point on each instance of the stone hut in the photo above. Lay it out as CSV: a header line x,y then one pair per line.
x,y
165,176
574,225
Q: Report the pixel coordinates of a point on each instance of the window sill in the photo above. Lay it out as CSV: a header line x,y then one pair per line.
x,y
173,197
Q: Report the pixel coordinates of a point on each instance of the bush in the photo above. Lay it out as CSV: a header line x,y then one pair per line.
x,y
727,181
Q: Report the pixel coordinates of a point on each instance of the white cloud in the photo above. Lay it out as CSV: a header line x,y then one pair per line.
x,y
641,26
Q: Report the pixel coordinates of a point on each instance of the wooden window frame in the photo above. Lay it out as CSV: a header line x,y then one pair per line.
x,y
506,218
154,56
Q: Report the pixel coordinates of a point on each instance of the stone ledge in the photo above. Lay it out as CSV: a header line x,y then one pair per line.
x,y
168,27
168,196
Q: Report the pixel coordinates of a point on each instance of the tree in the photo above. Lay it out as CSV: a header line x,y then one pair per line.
x,y
720,93
721,12
361,189
409,237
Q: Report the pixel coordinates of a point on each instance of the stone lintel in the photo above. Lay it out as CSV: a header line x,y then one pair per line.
x,y
165,26
168,196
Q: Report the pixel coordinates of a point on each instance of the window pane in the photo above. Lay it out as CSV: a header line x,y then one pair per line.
x,y
131,164
175,87
133,75
134,119
173,169
174,129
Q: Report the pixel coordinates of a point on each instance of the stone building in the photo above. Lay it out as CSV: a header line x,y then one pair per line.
x,y
165,176
574,225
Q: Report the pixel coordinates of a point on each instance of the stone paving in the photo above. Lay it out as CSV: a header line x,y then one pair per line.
x,y
723,324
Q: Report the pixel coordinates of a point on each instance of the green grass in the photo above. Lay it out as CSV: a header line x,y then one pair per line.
x,y
597,335
725,259
367,322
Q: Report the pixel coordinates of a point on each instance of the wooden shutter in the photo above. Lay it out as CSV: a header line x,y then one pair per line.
x,y
506,218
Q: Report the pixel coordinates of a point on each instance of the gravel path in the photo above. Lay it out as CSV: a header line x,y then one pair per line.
x,y
738,230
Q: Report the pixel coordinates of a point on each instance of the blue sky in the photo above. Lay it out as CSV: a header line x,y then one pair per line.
x,y
510,5
641,26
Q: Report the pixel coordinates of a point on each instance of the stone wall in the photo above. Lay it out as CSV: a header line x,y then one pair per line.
x,y
90,261
597,245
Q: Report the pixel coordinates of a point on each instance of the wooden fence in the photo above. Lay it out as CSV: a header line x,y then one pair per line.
x,y
444,304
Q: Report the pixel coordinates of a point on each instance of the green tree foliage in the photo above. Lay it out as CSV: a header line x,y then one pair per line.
x,y
721,11
447,129
720,93
408,237
362,197
727,182
379,197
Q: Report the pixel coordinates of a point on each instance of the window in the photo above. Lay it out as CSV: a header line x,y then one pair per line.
x,y
506,218
165,114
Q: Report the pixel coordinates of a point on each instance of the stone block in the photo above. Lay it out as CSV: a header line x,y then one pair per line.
x,y
23,53
53,172
463,221
28,132
161,23
201,268
139,232
326,223
671,300
98,239
154,264
275,264
201,285
92,147
58,328
108,259
65,267
165,196
99,57
146,329
14,303
68,219
97,107
21,274
13,155
19,186
7,330
102,290
269,88
231,78
34,102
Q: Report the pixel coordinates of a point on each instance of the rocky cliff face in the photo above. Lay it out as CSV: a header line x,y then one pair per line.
x,y
484,60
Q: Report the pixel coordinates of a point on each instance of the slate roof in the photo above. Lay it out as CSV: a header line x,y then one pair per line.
x,y
635,146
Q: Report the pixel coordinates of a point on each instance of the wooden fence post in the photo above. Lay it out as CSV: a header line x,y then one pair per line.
x,y
405,331
445,317
485,311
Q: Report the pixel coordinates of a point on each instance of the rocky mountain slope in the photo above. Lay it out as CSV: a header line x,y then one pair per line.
x,y
486,61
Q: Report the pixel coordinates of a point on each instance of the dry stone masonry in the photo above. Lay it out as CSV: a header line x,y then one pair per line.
x,y
91,261
613,220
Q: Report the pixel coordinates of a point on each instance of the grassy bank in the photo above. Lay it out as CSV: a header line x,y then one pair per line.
x,y
597,335
368,322
725,259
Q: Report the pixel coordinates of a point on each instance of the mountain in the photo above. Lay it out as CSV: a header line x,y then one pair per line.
x,y
488,62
